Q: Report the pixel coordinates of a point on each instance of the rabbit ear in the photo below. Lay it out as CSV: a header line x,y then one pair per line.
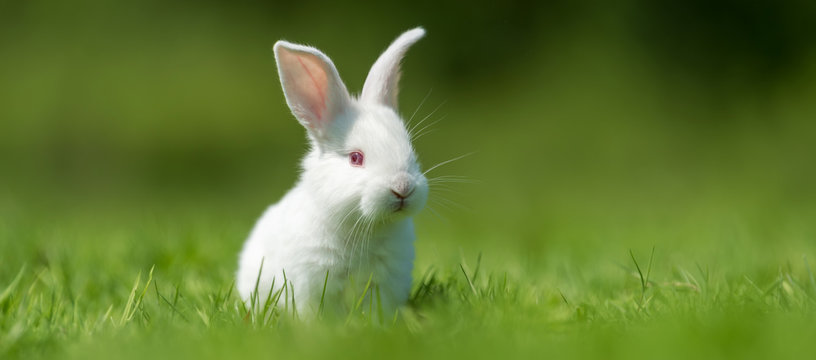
x,y
381,85
312,86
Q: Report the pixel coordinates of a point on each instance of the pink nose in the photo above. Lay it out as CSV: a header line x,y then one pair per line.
x,y
402,193
402,187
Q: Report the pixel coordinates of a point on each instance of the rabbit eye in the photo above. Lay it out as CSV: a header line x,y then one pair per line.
x,y
356,158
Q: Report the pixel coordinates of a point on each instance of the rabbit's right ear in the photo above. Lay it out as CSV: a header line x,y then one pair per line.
x,y
312,86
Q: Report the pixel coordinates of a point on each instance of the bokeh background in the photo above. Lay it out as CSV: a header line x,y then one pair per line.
x,y
155,132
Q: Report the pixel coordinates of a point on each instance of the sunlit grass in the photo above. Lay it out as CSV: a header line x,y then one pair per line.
x,y
109,294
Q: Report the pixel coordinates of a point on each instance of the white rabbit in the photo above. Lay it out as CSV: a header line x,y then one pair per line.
x,y
349,215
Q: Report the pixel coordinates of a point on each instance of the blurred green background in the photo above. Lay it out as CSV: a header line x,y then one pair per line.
x,y
578,112
155,132
591,122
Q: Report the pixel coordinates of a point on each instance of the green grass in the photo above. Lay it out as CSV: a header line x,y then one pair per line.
x,y
134,285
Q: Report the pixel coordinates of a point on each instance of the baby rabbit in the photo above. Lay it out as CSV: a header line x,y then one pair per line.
x,y
350,213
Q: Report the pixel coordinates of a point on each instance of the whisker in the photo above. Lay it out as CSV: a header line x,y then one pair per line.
x,y
436,214
370,233
429,131
366,232
415,126
445,202
363,232
426,129
420,105
439,189
448,162
343,221
353,236
453,179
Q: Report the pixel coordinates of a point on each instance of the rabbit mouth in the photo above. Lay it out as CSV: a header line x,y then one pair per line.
x,y
406,206
400,205
401,197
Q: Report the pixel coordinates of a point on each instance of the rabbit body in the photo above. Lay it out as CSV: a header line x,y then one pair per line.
x,y
307,252
348,220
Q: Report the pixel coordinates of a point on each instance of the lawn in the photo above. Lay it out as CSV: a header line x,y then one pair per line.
x,y
616,203
158,283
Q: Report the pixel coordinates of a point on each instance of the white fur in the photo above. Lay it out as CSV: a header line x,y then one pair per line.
x,y
339,218
381,83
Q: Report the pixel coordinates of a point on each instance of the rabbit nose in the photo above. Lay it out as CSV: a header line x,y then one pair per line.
x,y
402,194
402,187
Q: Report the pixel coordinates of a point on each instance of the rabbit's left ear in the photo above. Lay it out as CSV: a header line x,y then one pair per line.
x,y
381,85
312,86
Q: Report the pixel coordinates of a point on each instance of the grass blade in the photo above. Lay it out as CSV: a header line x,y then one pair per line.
x,y
323,295
7,291
807,266
470,283
360,300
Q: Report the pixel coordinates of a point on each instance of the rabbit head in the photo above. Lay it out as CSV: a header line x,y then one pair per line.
x,y
361,158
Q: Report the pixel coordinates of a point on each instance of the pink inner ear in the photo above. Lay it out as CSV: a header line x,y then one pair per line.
x,y
313,89
315,74
306,85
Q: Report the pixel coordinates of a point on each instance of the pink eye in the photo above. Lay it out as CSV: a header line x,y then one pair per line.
x,y
356,159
